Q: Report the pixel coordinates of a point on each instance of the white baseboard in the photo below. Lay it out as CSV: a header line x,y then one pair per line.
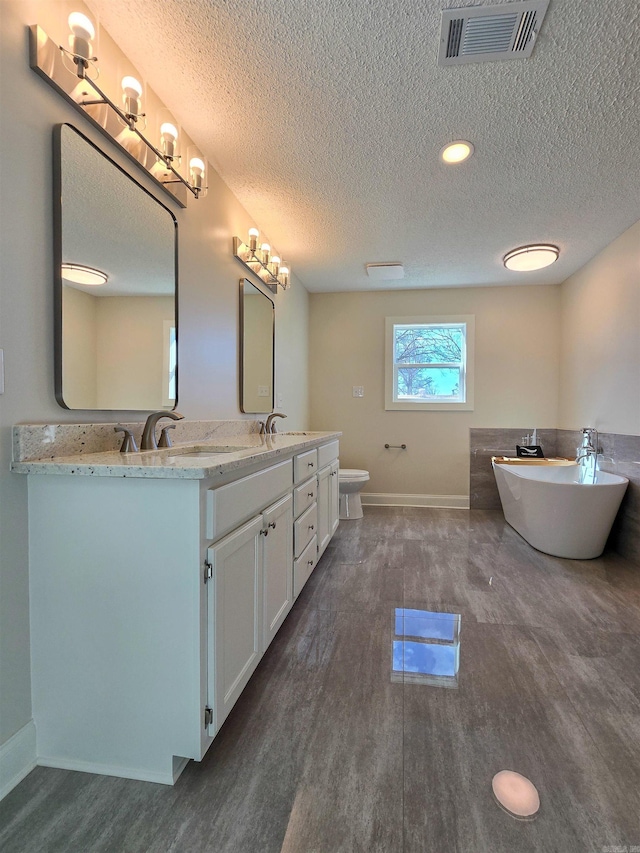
x,y
17,758
143,775
439,501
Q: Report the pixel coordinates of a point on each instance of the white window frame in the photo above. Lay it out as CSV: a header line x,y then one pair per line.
x,y
391,402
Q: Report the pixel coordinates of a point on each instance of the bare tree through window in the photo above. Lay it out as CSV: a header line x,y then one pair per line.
x,y
429,361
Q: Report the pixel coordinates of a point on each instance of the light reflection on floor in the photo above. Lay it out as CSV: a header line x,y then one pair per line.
x,y
426,647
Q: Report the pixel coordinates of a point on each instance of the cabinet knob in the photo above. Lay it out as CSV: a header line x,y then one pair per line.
x,y
311,527
310,464
264,533
309,562
272,525
310,495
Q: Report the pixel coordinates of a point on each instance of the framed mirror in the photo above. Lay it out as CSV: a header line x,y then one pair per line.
x,y
116,276
257,350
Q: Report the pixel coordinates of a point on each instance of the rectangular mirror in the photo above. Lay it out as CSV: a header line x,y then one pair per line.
x,y
257,343
115,254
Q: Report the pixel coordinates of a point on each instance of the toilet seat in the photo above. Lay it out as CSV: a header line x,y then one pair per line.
x,y
352,475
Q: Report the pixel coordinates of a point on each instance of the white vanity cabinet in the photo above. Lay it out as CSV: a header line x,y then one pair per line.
x,y
249,596
328,494
153,599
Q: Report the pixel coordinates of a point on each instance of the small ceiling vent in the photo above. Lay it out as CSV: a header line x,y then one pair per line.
x,y
385,272
490,33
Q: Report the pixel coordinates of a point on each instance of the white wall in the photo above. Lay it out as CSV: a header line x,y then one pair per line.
x,y
131,350
208,317
600,355
516,380
79,358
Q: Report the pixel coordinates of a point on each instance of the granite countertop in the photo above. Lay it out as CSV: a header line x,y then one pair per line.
x,y
161,464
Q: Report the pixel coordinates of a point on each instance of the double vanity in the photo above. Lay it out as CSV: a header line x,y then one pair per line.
x,y
157,582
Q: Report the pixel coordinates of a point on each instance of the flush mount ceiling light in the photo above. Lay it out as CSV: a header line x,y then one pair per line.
x,y
80,274
457,152
534,257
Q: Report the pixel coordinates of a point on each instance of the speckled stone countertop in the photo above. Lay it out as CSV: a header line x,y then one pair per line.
x,y
167,463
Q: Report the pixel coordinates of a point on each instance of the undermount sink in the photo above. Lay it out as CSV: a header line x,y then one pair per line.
x,y
204,452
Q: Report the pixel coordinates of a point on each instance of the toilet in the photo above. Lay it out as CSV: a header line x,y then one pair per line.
x,y
351,480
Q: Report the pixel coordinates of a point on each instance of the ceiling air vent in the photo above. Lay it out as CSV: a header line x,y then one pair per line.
x,y
490,33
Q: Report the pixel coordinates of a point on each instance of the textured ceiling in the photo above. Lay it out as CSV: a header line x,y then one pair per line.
x,y
326,120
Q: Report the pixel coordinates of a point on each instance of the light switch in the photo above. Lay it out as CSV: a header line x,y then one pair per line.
x,y
358,390
263,391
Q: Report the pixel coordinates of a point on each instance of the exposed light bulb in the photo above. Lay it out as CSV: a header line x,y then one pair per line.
x,y
196,166
169,136
284,277
253,239
132,91
266,250
275,264
83,32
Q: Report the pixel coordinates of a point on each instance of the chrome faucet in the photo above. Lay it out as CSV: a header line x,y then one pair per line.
x,y
589,447
270,427
149,441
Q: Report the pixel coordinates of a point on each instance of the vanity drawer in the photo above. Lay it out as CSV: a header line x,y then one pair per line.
x,y
304,565
327,453
304,465
304,496
305,528
230,505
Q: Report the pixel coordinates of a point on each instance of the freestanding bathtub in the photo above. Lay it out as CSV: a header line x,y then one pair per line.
x,y
556,513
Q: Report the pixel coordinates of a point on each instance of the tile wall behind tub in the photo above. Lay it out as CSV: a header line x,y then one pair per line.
x,y
621,455
485,443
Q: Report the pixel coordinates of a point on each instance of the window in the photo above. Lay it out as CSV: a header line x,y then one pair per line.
x,y
429,363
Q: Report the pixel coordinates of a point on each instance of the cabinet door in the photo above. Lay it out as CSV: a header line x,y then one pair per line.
x,y
334,494
325,482
277,566
235,615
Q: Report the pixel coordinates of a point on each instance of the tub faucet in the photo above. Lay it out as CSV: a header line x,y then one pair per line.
x,y
270,427
589,447
149,441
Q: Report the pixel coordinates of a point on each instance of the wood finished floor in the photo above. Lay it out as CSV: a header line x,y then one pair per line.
x,y
325,753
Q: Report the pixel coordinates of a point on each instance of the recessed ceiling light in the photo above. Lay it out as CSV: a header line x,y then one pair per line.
x,y
534,257
457,152
80,274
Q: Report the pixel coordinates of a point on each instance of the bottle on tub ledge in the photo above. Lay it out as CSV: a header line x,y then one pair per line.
x,y
530,449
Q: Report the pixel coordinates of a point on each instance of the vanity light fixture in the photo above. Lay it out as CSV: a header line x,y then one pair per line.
x,y
81,274
82,34
88,93
131,94
257,258
457,152
533,257
253,239
196,167
168,139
